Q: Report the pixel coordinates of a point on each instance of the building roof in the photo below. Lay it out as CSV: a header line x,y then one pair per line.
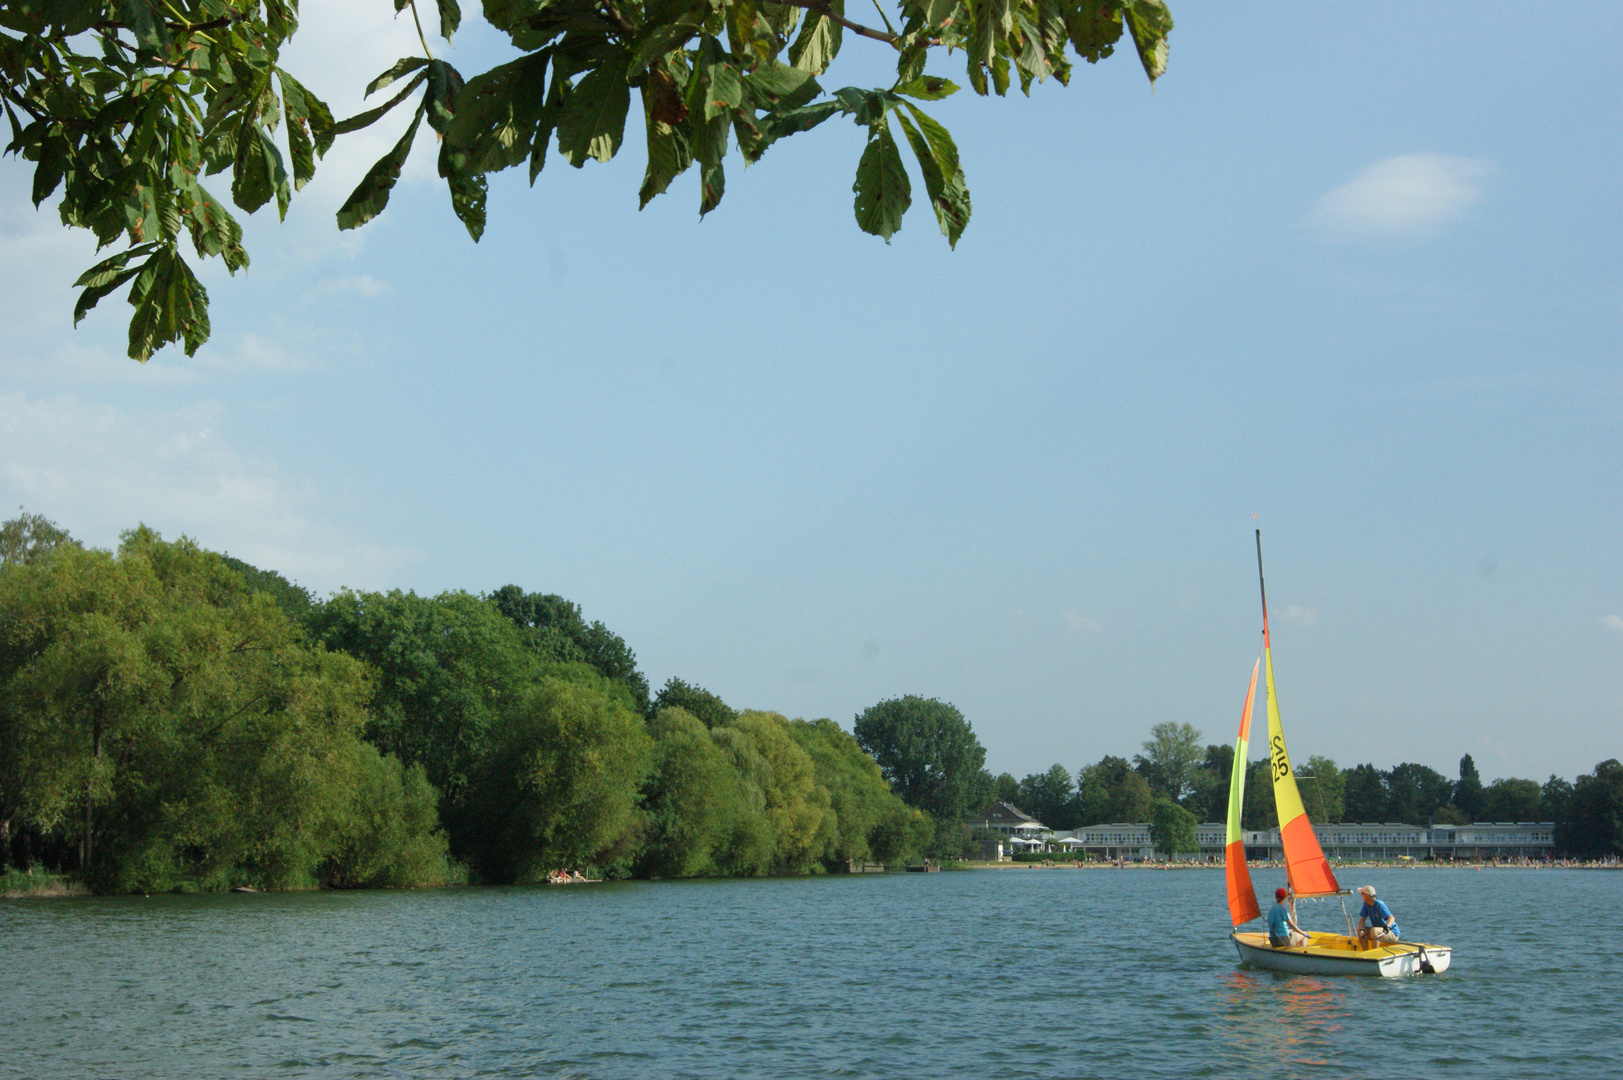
x,y
1007,814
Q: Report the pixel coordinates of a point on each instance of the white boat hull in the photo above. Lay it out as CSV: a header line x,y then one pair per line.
x,y
1337,954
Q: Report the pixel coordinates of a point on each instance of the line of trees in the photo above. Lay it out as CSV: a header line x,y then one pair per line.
x,y
172,718
1175,770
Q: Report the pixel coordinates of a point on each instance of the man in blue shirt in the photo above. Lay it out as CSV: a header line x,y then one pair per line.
x,y
1282,929
1376,923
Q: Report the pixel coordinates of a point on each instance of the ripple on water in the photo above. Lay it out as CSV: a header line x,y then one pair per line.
x,y
1042,974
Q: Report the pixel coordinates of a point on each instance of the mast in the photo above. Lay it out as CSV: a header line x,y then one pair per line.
x,y
1306,867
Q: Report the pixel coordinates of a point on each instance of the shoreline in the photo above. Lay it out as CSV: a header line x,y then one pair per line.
x,y
1374,865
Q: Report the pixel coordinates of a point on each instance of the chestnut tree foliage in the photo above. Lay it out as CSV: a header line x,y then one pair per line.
x,y
128,107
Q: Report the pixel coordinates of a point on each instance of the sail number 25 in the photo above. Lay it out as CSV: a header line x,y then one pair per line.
x,y
1279,761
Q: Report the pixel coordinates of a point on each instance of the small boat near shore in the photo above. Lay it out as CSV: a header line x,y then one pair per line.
x,y
1306,869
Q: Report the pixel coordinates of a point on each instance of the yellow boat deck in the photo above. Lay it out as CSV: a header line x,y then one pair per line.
x,y
1336,945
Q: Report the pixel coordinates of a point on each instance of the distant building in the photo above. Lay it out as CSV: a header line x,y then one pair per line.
x,y
1351,842
1025,832
1341,842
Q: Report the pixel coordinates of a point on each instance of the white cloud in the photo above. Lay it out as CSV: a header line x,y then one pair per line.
x,y
1083,624
1412,196
1304,616
363,285
97,469
1611,622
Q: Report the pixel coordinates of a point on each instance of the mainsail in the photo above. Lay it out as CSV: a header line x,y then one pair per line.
x,y
1305,865
1242,896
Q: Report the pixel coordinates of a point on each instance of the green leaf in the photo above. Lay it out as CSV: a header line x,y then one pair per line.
x,y
439,100
310,114
928,88
593,121
257,173
145,22
106,276
726,89
818,41
710,147
401,67
943,175
882,188
496,115
787,87
669,156
141,214
170,305
214,231
1094,27
660,37
802,119
1150,23
468,203
450,18
372,194
370,116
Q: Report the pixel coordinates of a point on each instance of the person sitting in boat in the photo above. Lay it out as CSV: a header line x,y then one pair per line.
x,y
1376,923
1282,929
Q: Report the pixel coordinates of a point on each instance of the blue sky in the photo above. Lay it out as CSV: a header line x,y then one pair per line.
x,y
1354,270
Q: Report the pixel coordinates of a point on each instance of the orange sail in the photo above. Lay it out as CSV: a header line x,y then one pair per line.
x,y
1242,895
1305,865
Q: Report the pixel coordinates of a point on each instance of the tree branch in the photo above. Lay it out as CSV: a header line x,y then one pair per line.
x,y
820,7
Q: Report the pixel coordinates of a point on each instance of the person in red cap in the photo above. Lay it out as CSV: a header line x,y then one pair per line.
x,y
1282,929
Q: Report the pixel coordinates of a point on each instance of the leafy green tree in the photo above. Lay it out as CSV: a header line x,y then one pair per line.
x,y
799,809
560,787
28,538
447,669
1592,826
1554,797
125,107
176,722
1366,797
1005,788
1051,798
1171,755
1511,800
296,602
696,701
871,822
1416,792
556,630
1112,791
1172,829
1208,798
1468,790
1258,811
1323,786
928,754
692,799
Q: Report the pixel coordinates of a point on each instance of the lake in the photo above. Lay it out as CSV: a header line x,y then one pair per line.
x,y
994,973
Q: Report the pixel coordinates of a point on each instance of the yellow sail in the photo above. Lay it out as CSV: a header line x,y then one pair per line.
x,y
1305,865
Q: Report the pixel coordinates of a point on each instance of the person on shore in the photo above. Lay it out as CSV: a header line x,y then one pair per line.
x,y
1376,923
1283,933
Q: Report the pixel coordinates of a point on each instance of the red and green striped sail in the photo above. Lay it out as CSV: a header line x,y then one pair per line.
x,y
1305,865
1242,895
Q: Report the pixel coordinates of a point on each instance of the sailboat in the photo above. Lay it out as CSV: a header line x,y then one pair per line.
x,y
1306,869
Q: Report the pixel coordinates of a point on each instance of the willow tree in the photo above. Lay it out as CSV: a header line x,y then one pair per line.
x,y
126,106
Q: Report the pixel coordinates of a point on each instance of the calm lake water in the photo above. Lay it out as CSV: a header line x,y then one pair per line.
x,y
1013,973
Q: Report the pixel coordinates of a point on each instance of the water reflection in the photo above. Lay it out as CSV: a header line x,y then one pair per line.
x,y
1290,1021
